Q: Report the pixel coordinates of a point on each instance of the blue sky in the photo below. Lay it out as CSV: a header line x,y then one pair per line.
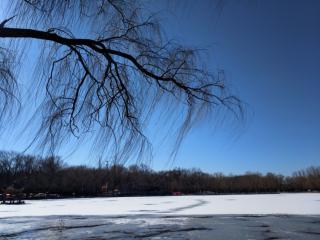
x,y
270,53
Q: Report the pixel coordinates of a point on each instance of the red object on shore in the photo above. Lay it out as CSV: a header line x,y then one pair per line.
x,y
176,193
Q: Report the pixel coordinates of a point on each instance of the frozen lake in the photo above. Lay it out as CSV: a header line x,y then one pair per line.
x,y
273,216
297,204
222,227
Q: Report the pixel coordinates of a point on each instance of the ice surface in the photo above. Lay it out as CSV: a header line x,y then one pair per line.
x,y
296,204
218,227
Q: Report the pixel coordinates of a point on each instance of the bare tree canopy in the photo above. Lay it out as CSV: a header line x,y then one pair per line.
x,y
106,68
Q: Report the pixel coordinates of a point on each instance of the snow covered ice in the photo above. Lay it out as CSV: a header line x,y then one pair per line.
x,y
260,216
297,204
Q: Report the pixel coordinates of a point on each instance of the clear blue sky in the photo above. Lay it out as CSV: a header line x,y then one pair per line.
x,y
270,52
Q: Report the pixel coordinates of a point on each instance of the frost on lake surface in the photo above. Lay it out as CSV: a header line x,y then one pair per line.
x,y
273,216
298,204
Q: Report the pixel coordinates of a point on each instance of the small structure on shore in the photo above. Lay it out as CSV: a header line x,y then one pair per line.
x,y
106,192
11,195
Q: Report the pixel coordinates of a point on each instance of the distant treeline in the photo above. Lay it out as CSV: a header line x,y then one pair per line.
x,y
35,174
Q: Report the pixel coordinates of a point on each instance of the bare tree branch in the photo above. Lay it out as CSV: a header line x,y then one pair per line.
x,y
113,80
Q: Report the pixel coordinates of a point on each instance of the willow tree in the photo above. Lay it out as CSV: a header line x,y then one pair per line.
x,y
104,67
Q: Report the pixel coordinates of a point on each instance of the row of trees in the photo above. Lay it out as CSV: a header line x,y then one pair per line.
x,y
50,175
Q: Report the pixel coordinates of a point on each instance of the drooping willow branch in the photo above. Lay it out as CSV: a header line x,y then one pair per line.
x,y
99,47
115,83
